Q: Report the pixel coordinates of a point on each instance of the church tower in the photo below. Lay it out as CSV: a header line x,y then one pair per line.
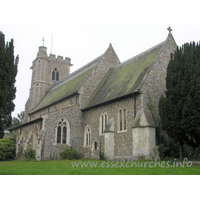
x,y
46,70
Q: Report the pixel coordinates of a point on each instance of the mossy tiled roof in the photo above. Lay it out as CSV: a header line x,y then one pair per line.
x,y
67,86
123,79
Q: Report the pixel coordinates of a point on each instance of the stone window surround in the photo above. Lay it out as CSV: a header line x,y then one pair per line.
x,y
86,132
67,135
95,145
55,70
105,119
123,120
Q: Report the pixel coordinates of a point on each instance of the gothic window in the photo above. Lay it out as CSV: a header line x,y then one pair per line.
x,y
63,131
59,135
120,113
64,135
87,136
106,120
103,122
95,145
55,75
122,120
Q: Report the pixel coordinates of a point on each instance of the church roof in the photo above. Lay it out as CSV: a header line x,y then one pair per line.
x,y
123,79
67,86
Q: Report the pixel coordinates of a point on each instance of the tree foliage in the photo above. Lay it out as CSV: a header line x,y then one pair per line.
x,y
8,72
7,149
180,109
18,120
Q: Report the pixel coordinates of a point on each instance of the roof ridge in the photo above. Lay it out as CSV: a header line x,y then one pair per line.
x,y
137,66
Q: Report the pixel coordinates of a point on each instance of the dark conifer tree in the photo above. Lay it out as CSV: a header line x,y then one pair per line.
x,y
180,109
8,72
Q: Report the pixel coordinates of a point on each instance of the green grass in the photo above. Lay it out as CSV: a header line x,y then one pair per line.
x,y
64,167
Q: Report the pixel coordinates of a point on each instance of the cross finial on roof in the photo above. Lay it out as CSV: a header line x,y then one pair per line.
x,y
169,29
43,40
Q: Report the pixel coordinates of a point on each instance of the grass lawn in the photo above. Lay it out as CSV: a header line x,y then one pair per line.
x,y
64,167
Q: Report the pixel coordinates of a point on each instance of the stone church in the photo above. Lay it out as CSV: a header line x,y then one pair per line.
x,y
105,101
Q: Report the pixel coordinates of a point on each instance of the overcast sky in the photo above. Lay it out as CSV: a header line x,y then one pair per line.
x,y
83,30
83,43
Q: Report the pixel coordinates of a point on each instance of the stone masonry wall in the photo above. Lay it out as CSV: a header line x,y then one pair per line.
x,y
123,139
25,135
55,107
41,82
75,118
154,83
109,60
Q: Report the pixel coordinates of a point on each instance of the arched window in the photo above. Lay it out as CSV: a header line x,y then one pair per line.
x,y
103,122
106,120
63,131
87,136
122,120
95,145
120,113
55,75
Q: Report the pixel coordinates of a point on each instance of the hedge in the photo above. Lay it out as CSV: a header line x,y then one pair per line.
x,y
7,149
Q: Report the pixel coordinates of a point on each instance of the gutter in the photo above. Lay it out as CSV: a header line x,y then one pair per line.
x,y
24,124
75,93
113,100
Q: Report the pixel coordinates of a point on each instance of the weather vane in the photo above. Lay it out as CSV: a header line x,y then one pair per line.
x,y
43,40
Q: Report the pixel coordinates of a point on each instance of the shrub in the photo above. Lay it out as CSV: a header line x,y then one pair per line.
x,y
29,154
70,153
7,149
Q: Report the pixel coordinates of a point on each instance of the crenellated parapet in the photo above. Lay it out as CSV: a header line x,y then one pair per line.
x,y
59,59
